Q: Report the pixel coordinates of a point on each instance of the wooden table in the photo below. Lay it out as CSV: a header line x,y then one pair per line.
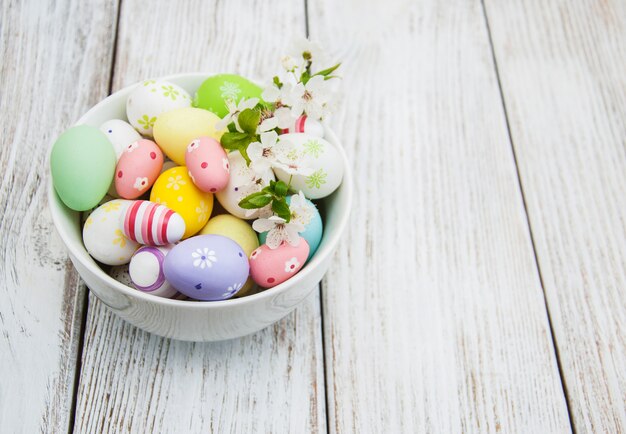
x,y
480,288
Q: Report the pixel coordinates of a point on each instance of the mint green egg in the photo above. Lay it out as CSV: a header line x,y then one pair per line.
x,y
82,164
215,91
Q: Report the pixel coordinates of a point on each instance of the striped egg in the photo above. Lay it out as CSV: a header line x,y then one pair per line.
x,y
307,125
146,271
152,224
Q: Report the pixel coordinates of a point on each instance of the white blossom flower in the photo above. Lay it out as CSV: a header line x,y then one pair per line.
x,y
312,98
301,210
302,48
280,118
233,112
264,154
292,265
278,231
275,95
203,258
289,63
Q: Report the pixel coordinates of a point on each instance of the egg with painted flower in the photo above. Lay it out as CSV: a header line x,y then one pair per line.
x,y
150,99
137,169
320,157
207,267
216,90
175,190
103,236
271,267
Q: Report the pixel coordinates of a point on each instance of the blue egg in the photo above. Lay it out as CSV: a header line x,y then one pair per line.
x,y
312,231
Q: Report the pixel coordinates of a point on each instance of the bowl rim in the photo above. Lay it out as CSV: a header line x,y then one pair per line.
x,y
78,251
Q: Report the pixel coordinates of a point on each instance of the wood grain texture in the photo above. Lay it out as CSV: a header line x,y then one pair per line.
x,y
434,316
562,71
50,73
272,381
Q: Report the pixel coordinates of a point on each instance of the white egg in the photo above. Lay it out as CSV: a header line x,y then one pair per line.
x,y
146,271
120,133
321,158
150,99
103,236
120,273
240,177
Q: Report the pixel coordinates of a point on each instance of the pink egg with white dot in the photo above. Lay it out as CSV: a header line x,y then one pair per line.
x,y
208,165
137,169
270,267
146,272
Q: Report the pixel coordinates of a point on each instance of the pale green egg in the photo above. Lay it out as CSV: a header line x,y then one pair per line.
x,y
82,164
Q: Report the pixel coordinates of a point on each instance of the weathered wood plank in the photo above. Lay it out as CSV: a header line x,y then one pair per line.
x,y
269,382
434,316
52,71
562,71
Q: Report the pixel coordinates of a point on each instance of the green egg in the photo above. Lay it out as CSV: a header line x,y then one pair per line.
x,y
215,90
82,164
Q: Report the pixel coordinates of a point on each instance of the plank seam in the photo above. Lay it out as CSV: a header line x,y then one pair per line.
x,y
528,223
83,326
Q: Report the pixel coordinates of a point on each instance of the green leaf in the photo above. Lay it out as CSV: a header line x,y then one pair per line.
x,y
249,120
233,141
328,71
305,77
281,209
277,82
255,200
281,189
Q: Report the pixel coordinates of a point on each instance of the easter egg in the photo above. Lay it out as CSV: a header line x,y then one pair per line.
x,y
234,228
146,271
242,182
137,169
321,157
150,99
215,91
307,215
207,267
240,232
152,224
175,190
305,124
207,164
82,163
176,129
120,134
270,267
120,273
103,236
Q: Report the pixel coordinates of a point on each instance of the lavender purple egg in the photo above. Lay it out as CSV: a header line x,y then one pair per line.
x,y
207,267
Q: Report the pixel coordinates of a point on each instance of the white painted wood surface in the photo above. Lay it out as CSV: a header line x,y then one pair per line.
x,y
562,67
51,58
435,319
272,381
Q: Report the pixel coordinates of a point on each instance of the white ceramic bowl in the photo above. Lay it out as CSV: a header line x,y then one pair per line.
x,y
191,320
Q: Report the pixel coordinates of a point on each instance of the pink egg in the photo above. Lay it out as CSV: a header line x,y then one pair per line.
x,y
307,125
137,169
269,267
207,164
152,224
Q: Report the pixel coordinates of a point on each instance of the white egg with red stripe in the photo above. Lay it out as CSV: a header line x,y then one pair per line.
x,y
307,125
152,224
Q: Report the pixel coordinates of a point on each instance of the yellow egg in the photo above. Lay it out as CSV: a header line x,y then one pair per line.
x,y
240,232
175,190
175,129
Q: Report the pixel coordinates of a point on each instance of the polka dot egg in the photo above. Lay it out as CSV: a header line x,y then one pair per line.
x,y
270,267
175,190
